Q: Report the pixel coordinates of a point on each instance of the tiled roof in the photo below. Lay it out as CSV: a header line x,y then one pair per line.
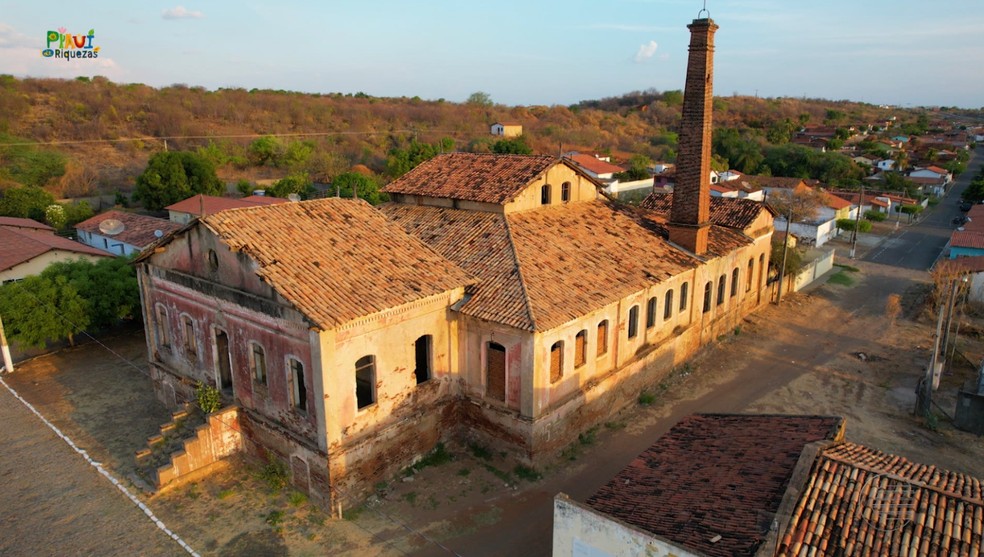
x,y
756,181
473,177
210,204
540,269
725,211
335,259
967,239
595,165
854,198
835,202
19,245
938,170
138,230
970,264
714,475
24,223
859,501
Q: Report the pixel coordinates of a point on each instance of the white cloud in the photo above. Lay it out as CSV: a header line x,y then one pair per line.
x,y
12,38
180,12
646,51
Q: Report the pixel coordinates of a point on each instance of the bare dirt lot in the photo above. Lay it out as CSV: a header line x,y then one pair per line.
x,y
800,357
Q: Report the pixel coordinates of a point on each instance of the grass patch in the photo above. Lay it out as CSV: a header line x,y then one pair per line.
x,y
588,437
464,472
297,498
411,497
274,474
616,425
527,473
646,398
438,456
504,476
847,268
480,452
841,278
274,518
226,493
349,514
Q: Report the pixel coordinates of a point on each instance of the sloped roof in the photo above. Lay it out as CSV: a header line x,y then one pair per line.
x,y
473,177
19,245
859,501
335,259
595,164
967,239
714,474
970,264
16,222
755,181
835,202
725,211
210,204
138,230
540,269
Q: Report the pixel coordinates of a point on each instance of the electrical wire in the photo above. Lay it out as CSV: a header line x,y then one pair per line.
x,y
235,427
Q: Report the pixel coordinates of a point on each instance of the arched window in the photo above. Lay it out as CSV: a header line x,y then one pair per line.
x,y
495,371
633,321
160,322
651,312
707,296
298,387
668,305
190,342
565,192
545,194
734,282
751,273
580,348
422,358
684,291
602,338
761,271
365,381
556,361
721,284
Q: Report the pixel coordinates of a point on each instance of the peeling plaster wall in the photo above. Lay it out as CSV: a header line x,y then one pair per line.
x,y
582,189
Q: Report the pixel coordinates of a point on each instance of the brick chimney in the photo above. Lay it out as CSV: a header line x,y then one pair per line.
x,y
690,213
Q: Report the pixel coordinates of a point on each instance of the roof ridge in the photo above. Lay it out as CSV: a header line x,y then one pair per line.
x,y
908,477
519,272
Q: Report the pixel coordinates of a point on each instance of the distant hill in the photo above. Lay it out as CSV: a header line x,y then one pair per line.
x,y
118,127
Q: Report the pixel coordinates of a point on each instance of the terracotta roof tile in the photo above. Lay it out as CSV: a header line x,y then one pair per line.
x,y
19,245
336,259
754,181
138,230
473,177
859,501
967,239
540,269
725,211
593,164
24,223
713,474
210,204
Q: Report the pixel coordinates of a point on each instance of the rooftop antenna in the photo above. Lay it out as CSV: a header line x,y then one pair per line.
x,y
704,11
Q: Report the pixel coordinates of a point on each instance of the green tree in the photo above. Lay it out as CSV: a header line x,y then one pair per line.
x,y
55,216
479,98
350,183
76,213
38,309
847,225
512,146
295,183
794,259
26,202
171,176
401,161
108,287
780,132
267,150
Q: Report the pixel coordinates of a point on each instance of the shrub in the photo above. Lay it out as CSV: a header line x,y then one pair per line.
x,y
208,397
274,474
850,224
875,216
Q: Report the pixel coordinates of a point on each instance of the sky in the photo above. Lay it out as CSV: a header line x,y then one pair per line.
x,y
520,52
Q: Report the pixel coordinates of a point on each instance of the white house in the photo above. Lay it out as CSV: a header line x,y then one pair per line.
x,y
932,172
122,233
506,129
885,164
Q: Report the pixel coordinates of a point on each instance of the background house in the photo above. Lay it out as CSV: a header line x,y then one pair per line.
x,y
122,233
201,205
506,129
27,247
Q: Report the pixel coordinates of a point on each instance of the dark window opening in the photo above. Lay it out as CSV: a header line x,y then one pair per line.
x,y
495,371
633,321
422,358
734,282
259,363
365,381
565,192
651,312
721,285
545,194
707,296
299,389
751,271
684,288
668,305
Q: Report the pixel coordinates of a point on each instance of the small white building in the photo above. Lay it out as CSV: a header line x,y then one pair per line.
x,y
506,129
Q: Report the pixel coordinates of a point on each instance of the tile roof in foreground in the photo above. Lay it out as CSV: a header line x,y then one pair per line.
x,y
543,268
335,259
138,230
725,211
483,178
210,204
859,501
714,475
17,222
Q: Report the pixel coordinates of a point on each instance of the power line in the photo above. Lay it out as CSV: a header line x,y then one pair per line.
x,y
395,521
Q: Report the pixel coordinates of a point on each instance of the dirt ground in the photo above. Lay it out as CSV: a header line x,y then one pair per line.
x,y
800,357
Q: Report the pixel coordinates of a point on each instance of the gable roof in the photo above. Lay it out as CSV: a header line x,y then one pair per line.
x,y
972,239
835,202
771,182
209,204
714,474
540,269
859,501
20,245
729,212
596,165
483,178
138,230
15,222
335,259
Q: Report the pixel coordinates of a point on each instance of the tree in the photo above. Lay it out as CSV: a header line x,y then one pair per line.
x,y
479,98
847,225
26,202
171,176
794,259
40,309
350,183
266,150
512,146
55,216
802,204
108,287
76,213
295,183
401,161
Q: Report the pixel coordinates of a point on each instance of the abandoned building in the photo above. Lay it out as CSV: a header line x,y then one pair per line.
x,y
497,298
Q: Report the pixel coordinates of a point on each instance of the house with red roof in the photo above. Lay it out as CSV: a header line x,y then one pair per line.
x,y
27,247
123,233
201,205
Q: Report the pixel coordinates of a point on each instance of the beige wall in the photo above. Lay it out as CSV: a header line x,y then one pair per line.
x,y
582,189
41,262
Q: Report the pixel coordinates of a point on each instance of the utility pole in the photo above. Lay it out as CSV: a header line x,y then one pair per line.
x,y
785,247
8,363
857,223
